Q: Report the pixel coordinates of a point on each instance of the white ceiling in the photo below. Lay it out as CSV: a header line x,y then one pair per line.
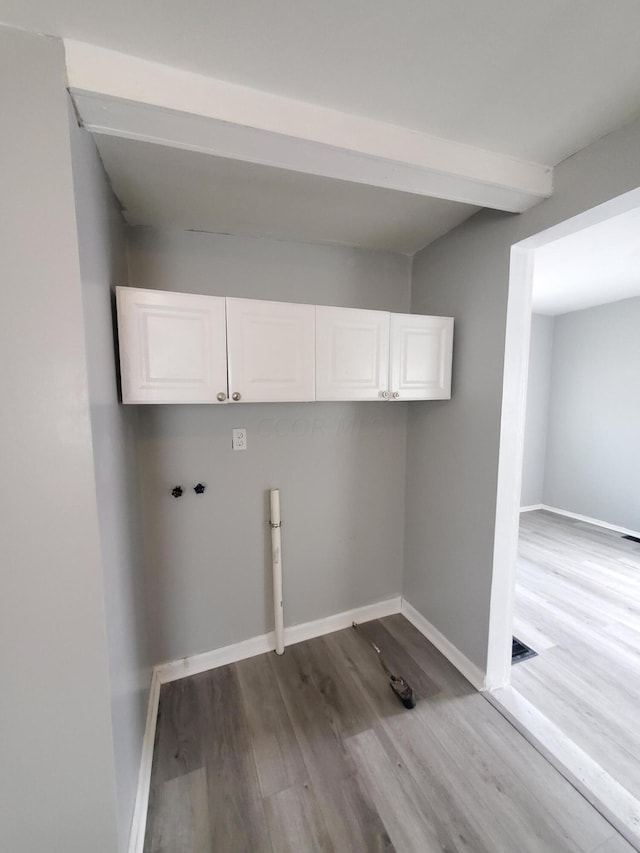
x,y
533,80
594,266
537,80
171,187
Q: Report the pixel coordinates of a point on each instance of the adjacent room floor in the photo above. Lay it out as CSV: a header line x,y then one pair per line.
x,y
578,606
311,751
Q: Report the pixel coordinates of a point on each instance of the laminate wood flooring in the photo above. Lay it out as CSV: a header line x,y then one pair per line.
x,y
311,751
578,606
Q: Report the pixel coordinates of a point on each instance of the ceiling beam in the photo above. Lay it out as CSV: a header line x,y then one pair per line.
x,y
126,96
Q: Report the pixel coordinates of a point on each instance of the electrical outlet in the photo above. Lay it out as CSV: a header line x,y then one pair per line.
x,y
239,439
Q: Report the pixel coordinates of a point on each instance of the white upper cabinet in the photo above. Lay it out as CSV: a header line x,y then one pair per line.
x,y
271,351
184,348
352,354
173,347
420,364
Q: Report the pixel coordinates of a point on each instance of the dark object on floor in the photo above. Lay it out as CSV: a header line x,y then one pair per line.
x,y
631,538
396,682
520,651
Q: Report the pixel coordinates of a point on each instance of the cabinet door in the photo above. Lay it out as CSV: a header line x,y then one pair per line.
x,y
271,351
352,354
172,346
420,363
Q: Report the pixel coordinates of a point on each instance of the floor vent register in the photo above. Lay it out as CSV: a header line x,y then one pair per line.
x,y
520,651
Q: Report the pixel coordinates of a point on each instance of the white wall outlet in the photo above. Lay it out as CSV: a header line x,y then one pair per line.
x,y
239,439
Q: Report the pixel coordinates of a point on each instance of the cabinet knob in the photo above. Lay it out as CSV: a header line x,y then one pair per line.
x,y
222,396
396,394
384,395
235,396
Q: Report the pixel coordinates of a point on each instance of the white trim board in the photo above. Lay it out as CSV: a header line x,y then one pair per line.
x,y
531,508
461,662
595,521
608,796
263,643
124,95
139,822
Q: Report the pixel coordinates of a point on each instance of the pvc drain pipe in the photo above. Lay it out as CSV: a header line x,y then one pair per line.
x,y
276,558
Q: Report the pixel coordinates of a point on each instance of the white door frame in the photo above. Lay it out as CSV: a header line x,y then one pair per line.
x,y
512,425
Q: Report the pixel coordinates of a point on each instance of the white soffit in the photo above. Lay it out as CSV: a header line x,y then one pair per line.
x,y
125,96
594,266
172,188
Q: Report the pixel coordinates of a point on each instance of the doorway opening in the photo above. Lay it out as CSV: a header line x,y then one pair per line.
x,y
614,800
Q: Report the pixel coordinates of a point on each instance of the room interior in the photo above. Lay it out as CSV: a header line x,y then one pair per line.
x,y
389,508
577,591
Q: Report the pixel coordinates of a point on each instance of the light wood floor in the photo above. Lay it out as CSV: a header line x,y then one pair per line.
x,y
312,752
578,605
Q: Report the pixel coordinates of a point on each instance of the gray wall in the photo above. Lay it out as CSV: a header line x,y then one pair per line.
x,y
593,464
452,453
340,466
103,264
58,791
538,389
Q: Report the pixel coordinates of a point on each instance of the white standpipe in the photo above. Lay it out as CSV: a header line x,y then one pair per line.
x,y
276,556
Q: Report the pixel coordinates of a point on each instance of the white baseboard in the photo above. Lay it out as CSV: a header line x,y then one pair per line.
x,y
266,642
139,822
309,630
531,508
625,530
609,797
461,662
192,665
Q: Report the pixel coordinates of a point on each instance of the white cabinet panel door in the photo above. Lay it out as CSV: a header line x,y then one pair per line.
x,y
420,364
271,351
352,354
172,346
